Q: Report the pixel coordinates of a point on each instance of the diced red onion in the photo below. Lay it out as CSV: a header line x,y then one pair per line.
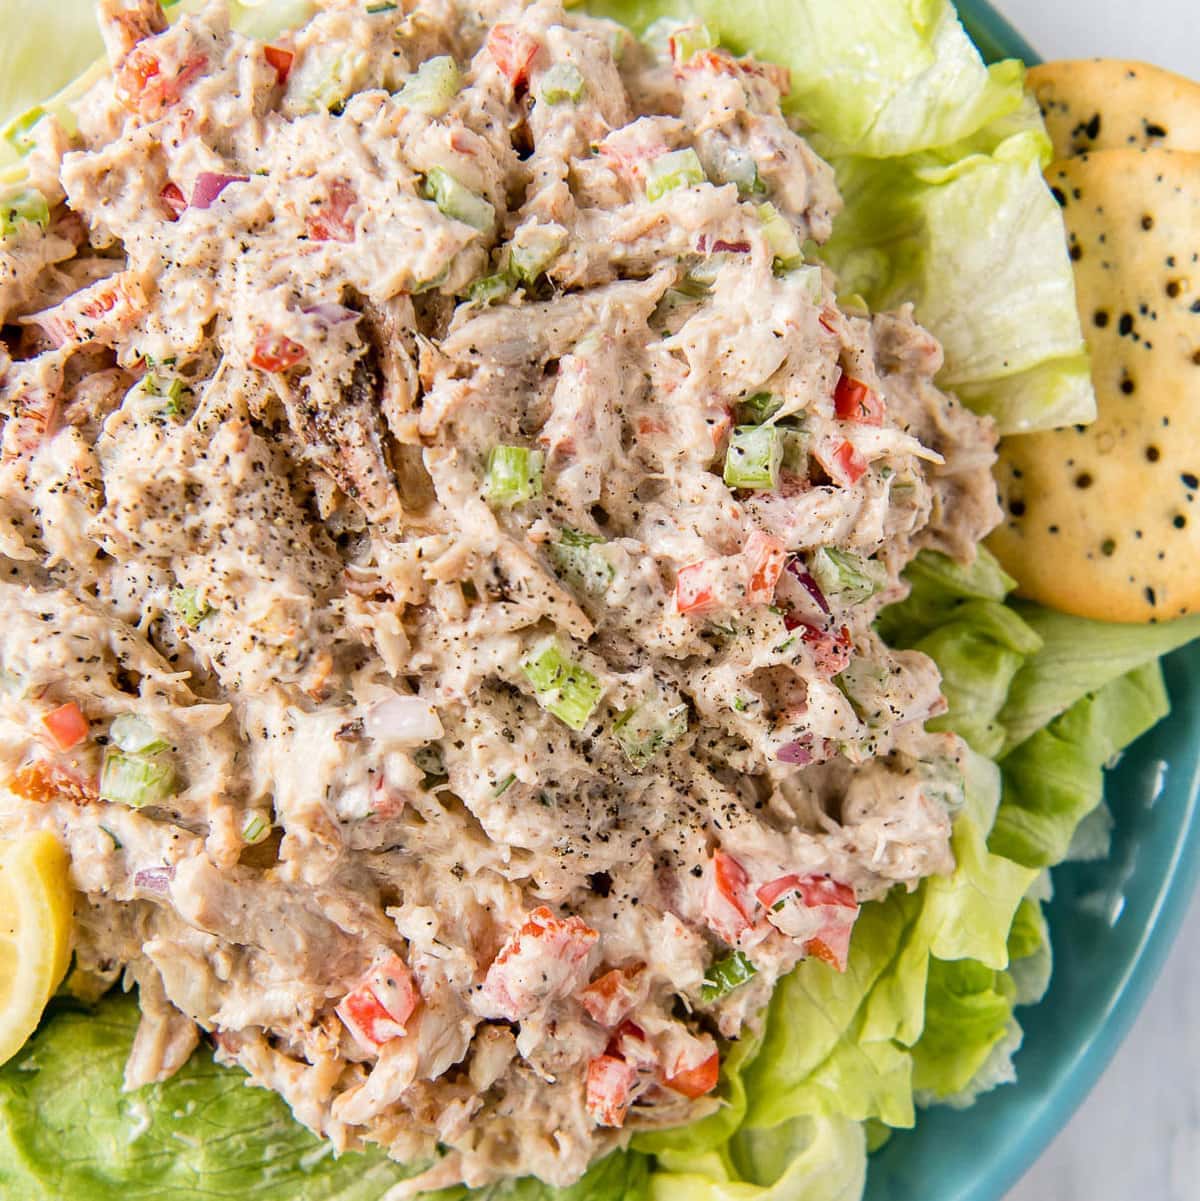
x,y
155,879
403,719
209,185
796,569
329,315
794,752
721,246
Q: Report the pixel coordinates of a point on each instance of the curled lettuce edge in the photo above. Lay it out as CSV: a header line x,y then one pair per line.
x,y
929,143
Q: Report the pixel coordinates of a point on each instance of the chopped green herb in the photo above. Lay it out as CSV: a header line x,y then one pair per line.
x,y
117,844
504,786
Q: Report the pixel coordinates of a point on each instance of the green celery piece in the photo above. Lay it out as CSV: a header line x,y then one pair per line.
x,y
781,237
18,133
760,407
726,975
563,688
675,169
576,561
843,574
433,88
134,734
561,83
135,780
643,731
490,288
754,457
534,247
192,609
25,207
514,475
688,40
255,827
457,201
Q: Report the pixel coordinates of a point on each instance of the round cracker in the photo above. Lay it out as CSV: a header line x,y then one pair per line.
x,y
1109,104
1104,520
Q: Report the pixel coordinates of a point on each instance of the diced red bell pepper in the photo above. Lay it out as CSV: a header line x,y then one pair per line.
x,y
854,401
846,466
281,60
610,1084
695,588
765,557
144,88
727,902
831,652
274,352
832,908
329,223
379,1007
611,998
513,52
695,1082
67,726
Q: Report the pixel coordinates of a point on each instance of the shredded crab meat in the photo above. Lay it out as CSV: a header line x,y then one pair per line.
x,y
445,529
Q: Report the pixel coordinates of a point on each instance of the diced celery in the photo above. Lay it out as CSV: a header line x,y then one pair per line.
x,y
135,735
676,169
562,82
781,237
374,10
760,407
18,133
847,576
724,976
135,780
255,827
578,562
643,731
490,288
688,40
731,164
534,247
795,450
26,207
754,456
563,688
514,474
865,686
326,80
458,201
433,88
811,281
191,606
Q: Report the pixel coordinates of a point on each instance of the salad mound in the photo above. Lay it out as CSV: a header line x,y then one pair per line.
x,y
515,591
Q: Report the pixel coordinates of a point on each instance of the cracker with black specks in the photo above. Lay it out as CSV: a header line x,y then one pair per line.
x,y
1104,520
1111,104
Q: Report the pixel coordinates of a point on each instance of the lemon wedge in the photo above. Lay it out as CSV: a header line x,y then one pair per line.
x,y
35,933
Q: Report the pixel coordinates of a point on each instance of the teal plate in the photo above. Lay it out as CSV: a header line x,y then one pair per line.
x,y
1112,924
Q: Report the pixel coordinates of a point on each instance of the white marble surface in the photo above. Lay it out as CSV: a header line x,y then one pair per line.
x,y
1137,1137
